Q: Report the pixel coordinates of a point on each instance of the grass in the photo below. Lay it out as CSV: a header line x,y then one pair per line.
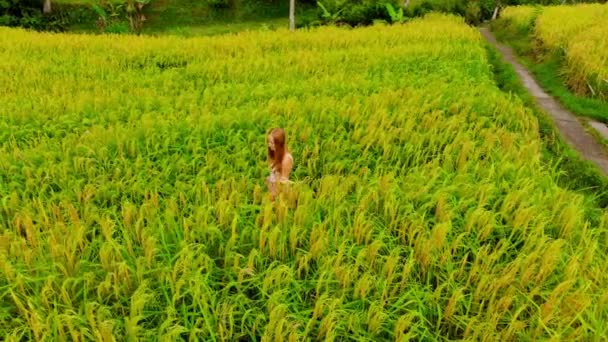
x,y
218,27
548,74
424,203
197,18
547,68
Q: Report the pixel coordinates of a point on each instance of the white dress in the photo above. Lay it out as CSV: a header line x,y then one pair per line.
x,y
275,175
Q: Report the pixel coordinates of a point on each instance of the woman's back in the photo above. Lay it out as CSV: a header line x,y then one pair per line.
x,y
279,159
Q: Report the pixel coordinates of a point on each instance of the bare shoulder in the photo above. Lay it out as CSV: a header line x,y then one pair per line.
x,y
288,160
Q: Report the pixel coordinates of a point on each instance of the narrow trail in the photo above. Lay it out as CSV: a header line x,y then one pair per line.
x,y
567,123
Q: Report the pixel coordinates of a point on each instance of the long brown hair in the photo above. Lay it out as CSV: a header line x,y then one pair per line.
x,y
276,157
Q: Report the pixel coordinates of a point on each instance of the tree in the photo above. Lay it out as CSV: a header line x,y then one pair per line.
x,y
496,10
46,7
292,15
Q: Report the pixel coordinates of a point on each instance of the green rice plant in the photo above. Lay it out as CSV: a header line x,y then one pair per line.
x,y
587,60
133,203
555,31
521,18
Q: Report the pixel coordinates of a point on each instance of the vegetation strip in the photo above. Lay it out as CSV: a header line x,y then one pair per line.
x,y
568,124
544,51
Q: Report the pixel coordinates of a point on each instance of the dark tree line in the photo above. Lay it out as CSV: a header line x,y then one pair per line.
x,y
42,14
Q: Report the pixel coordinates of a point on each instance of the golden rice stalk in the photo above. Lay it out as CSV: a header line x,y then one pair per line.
x,y
450,308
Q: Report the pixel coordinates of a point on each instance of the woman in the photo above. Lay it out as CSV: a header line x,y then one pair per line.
x,y
279,159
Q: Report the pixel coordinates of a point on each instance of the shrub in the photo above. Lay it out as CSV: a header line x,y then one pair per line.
x,y
354,12
28,14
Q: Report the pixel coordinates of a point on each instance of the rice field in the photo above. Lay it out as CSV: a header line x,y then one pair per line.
x,y
578,32
133,203
521,18
581,33
558,26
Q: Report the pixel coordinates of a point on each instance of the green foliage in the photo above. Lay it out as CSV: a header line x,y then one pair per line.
x,y
326,16
115,15
395,15
474,11
219,4
422,7
119,27
28,14
308,18
353,12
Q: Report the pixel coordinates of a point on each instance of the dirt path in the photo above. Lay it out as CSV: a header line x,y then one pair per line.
x,y
567,123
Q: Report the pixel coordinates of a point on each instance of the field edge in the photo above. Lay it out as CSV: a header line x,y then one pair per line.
x,y
578,174
547,70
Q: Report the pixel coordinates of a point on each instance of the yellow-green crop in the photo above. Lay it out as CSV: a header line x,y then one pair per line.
x,y
587,60
579,32
520,17
132,198
557,26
